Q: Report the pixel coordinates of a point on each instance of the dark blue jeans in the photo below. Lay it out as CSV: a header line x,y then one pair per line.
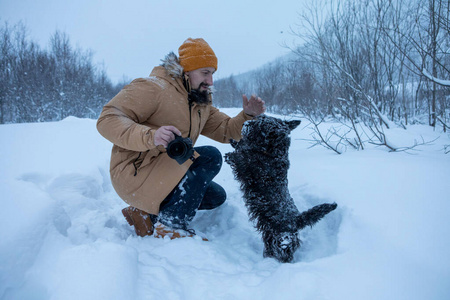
x,y
195,191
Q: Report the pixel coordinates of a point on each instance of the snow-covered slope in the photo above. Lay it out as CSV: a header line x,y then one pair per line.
x,y
62,235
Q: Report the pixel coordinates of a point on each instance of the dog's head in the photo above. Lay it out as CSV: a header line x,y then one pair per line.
x,y
263,136
266,133
281,246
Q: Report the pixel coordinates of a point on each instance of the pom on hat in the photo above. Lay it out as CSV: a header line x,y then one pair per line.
x,y
195,54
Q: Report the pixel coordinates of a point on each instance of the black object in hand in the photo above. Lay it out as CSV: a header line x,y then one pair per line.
x,y
180,149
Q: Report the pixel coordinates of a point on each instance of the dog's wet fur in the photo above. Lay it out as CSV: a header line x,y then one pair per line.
x,y
260,162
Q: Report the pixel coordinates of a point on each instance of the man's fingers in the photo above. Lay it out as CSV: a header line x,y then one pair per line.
x,y
244,100
165,134
172,129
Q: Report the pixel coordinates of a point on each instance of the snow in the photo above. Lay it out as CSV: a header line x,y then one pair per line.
x,y
63,235
442,82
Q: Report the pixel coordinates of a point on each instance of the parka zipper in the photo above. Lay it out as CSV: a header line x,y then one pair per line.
x,y
187,85
199,121
190,117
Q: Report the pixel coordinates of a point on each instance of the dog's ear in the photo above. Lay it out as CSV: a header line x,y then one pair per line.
x,y
313,215
293,124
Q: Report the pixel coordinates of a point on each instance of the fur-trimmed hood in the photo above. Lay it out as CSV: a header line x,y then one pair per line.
x,y
172,64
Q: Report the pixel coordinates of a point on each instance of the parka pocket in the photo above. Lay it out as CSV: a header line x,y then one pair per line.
x,y
137,162
145,158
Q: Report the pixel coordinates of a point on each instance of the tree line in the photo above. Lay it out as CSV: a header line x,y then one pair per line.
x,y
364,61
368,62
39,85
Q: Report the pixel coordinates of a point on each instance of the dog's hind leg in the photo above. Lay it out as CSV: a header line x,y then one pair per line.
x,y
313,215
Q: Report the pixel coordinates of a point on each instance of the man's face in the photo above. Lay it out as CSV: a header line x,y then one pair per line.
x,y
201,79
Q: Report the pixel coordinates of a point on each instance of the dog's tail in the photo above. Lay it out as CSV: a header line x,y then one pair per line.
x,y
313,215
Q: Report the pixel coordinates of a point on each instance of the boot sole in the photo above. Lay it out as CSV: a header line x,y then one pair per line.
x,y
127,217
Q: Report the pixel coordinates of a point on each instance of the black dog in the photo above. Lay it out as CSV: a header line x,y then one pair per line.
x,y
260,163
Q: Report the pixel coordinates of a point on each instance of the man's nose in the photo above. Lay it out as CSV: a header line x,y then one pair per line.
x,y
209,80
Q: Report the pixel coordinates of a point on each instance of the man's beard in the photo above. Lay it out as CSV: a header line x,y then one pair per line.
x,y
199,97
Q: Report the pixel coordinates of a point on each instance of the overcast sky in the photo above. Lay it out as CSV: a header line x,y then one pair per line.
x,y
131,37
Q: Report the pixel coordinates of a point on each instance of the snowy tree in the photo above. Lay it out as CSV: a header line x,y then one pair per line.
x,y
48,85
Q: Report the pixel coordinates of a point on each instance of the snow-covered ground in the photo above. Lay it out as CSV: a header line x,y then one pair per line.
x,y
62,234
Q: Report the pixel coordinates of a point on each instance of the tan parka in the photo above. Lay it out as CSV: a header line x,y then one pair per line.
x,y
141,173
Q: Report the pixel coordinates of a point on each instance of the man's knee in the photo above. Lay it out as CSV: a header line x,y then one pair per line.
x,y
214,197
209,151
210,157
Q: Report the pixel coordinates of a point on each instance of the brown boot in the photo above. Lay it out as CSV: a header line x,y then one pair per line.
x,y
139,219
162,231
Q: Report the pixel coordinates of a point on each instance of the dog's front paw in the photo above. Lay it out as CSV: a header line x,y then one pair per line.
x,y
233,143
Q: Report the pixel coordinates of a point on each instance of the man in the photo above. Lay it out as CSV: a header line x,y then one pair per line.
x,y
141,121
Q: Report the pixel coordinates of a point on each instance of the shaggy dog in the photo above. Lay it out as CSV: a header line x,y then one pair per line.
x,y
260,163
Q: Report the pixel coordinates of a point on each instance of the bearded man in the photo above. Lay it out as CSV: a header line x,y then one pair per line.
x,y
164,194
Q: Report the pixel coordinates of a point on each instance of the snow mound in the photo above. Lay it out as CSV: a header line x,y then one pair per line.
x,y
63,235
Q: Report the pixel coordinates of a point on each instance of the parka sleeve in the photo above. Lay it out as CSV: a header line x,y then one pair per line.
x,y
221,127
120,119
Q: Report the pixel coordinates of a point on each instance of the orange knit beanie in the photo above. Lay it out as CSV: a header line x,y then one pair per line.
x,y
195,54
